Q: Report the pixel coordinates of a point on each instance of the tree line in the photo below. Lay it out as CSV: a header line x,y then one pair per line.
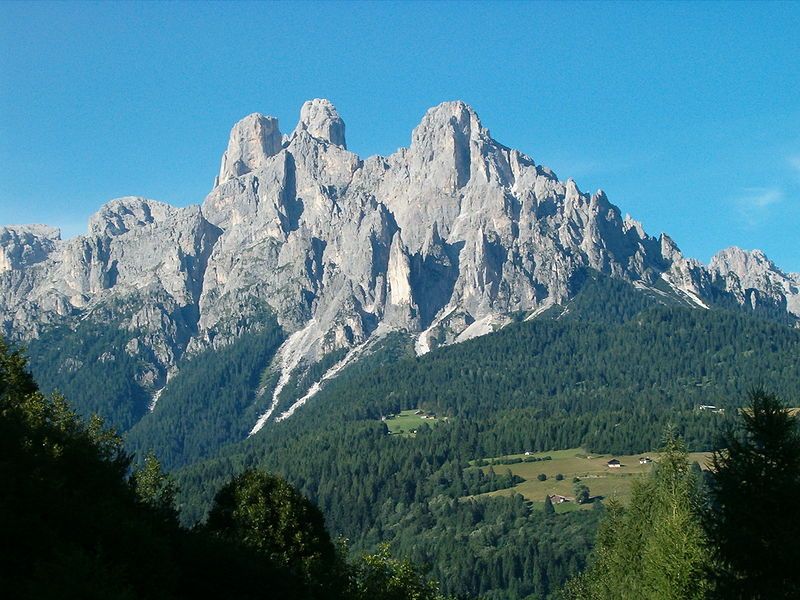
x,y
77,521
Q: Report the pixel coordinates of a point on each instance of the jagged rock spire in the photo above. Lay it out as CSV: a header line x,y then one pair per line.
x,y
321,120
252,141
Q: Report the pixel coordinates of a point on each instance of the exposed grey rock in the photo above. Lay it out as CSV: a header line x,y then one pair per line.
x,y
23,246
321,120
252,141
141,267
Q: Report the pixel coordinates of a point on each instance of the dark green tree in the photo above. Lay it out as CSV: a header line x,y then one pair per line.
x,y
754,523
265,513
71,526
549,509
582,495
74,525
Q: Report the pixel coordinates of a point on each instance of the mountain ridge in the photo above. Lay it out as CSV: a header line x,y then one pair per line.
x,y
446,239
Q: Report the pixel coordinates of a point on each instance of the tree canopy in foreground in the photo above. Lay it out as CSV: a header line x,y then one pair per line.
x,y
77,523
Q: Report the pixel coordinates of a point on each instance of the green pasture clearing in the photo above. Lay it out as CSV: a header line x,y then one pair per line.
x,y
407,422
591,469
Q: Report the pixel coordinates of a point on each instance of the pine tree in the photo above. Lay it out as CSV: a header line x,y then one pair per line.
x,y
654,549
675,553
549,509
754,522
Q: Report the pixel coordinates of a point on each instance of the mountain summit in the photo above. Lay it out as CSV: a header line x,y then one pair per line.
x,y
447,239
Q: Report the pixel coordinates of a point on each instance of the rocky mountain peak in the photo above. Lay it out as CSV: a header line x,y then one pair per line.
x,y
121,215
629,223
450,124
321,120
740,261
754,270
252,141
669,249
34,229
454,112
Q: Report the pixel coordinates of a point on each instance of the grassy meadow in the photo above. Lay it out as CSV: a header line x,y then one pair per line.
x,y
591,469
407,422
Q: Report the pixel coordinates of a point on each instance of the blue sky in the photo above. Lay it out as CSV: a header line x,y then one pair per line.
x,y
686,114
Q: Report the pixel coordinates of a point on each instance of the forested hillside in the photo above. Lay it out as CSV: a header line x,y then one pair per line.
x,y
573,379
213,399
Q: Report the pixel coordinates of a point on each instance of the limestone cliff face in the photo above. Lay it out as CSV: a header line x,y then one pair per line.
x,y
253,140
23,246
444,239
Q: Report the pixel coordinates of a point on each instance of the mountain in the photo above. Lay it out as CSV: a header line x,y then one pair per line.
x,y
313,293
317,255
